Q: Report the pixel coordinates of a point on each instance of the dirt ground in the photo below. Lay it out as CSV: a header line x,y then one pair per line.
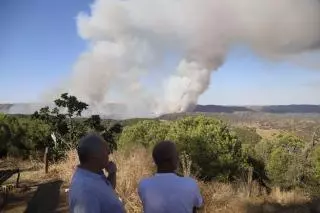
x,y
37,191
45,197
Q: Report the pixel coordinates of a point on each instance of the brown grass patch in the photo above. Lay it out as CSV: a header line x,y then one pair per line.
x,y
218,197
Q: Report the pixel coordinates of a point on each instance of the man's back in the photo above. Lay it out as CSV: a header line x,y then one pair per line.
x,y
169,193
90,193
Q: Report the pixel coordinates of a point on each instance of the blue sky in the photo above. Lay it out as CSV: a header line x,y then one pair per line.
x,y
39,45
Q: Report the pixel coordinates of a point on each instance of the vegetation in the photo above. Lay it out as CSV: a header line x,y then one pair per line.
x,y
217,150
59,129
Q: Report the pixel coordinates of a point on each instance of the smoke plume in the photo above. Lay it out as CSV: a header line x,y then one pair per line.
x,y
128,39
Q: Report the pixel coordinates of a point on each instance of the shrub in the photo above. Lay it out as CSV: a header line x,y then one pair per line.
x,y
213,149
315,163
247,135
286,164
146,133
23,137
263,149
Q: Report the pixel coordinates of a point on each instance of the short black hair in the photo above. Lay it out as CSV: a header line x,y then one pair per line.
x,y
88,145
163,151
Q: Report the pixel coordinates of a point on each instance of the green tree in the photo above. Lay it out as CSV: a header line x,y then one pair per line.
x,y
315,163
74,108
5,135
63,117
146,133
263,149
214,150
247,135
64,122
72,104
286,164
112,135
95,123
35,136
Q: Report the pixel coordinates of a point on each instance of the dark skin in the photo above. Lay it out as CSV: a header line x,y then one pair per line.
x,y
99,161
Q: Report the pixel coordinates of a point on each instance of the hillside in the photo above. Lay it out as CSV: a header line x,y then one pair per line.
x,y
117,111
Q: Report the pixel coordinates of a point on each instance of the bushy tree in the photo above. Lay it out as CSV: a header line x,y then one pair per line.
x,y
214,150
263,149
146,133
95,123
286,164
247,135
315,163
64,123
22,137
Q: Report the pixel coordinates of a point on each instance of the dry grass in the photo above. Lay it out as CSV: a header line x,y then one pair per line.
x,y
219,197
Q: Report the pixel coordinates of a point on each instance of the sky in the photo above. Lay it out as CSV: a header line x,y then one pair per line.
x,y
39,45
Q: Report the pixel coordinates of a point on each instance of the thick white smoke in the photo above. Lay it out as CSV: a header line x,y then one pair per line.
x,y
130,38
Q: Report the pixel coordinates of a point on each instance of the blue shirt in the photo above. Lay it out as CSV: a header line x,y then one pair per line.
x,y
91,193
169,193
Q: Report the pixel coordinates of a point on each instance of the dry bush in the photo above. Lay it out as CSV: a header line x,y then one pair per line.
x,y
286,198
219,197
65,169
132,167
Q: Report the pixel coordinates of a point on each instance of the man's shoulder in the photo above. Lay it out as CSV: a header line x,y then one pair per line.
x,y
181,179
145,181
189,181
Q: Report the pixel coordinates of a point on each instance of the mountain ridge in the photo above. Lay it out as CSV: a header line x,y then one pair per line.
x,y
116,110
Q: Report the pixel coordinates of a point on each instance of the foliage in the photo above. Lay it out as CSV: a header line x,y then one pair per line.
x,y
286,164
263,149
315,163
22,137
72,104
247,135
146,133
214,150
67,127
112,135
95,123
63,123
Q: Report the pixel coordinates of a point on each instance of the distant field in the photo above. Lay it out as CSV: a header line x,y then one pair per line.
x,y
266,124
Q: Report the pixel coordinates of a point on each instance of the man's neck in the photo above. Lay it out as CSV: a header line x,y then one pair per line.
x,y
161,171
90,168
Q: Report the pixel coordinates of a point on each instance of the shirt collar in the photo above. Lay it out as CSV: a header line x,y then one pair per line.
x,y
88,173
165,174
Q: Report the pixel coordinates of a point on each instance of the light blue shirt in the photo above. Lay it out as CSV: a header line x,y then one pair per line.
x,y
169,193
91,193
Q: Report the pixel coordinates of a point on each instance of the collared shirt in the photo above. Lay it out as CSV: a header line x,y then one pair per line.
x,y
91,193
169,193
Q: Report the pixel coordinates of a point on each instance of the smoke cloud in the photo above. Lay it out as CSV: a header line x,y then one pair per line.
x,y
129,39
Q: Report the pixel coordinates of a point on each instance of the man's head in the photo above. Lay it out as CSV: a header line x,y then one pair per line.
x,y
93,151
165,156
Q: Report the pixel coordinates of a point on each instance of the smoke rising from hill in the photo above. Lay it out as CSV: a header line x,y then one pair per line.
x,y
130,38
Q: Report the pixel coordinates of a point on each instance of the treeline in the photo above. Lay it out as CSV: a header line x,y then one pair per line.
x,y
58,128
217,150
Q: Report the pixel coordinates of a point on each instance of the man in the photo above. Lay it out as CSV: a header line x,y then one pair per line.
x,y
166,192
91,191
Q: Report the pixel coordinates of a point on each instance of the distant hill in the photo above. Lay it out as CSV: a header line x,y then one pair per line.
x,y
116,110
266,109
